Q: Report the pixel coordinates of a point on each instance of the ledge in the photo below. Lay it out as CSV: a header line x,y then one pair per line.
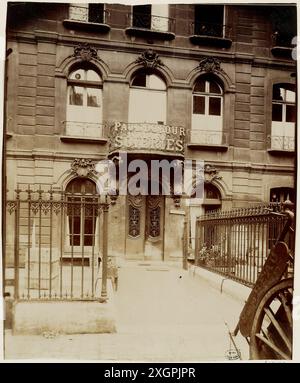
x,y
148,33
220,42
281,152
8,135
72,139
220,148
282,52
84,25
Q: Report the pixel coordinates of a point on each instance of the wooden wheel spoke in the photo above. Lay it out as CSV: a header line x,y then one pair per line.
x,y
287,308
273,346
279,329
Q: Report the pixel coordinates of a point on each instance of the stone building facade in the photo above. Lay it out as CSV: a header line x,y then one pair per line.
x,y
224,74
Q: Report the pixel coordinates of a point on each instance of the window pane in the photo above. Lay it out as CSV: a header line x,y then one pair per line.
x,y
290,113
199,105
214,87
74,228
278,93
141,16
96,13
276,112
75,95
214,106
139,80
290,96
91,75
93,97
77,75
200,86
154,82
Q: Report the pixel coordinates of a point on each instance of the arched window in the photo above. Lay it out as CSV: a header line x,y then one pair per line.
x,y
283,117
84,104
207,116
82,212
147,99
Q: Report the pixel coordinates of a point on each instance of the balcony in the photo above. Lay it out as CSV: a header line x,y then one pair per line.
x,y
146,138
210,34
208,140
89,132
151,26
281,145
81,18
282,45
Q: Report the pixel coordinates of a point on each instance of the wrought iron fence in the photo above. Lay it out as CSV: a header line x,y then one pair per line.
x,y
210,29
152,22
236,243
56,245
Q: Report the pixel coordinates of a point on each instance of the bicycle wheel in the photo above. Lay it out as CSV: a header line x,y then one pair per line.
x,y
272,329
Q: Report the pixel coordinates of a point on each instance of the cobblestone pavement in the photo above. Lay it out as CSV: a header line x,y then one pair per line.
x,y
163,315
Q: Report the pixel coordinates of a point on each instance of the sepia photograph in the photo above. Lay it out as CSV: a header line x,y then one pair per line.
x,y
149,182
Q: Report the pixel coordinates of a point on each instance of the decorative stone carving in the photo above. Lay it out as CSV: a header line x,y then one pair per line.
x,y
210,64
83,167
149,59
211,173
85,52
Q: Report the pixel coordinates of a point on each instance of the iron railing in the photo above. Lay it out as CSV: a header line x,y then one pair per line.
x,y
282,143
56,245
208,137
152,22
84,13
236,243
84,129
210,29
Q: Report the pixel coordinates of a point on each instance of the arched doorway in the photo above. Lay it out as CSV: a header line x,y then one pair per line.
x,y
82,218
210,202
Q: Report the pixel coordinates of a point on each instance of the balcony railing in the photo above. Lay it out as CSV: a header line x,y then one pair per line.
x,y
84,130
146,138
208,137
210,29
282,143
81,13
152,22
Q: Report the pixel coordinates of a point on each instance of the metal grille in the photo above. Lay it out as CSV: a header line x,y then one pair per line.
x,y
236,243
56,245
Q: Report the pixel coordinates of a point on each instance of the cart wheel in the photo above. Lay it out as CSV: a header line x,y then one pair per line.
x,y
272,329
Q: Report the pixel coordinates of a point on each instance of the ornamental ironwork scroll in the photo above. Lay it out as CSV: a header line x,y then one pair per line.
x,y
134,215
154,210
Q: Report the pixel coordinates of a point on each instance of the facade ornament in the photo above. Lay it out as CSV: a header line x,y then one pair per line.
x,y
210,64
211,173
85,52
83,167
149,59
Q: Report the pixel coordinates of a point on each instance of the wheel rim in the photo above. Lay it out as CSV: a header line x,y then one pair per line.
x,y
272,329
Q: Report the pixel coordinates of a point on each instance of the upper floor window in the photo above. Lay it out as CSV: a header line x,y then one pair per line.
x,y
207,115
283,117
209,20
93,13
284,25
151,16
148,99
84,103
